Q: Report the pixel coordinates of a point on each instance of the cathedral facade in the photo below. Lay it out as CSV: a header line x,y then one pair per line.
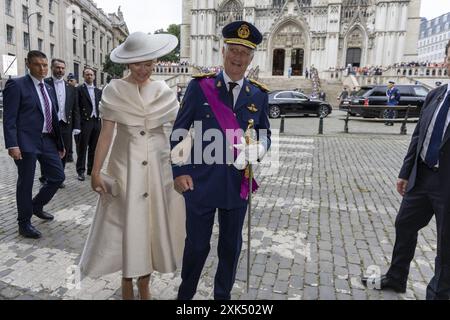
x,y
299,34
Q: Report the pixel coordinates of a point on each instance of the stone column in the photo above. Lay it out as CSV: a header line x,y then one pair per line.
x,y
185,31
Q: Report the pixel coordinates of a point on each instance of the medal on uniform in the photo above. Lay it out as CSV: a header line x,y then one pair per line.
x,y
252,108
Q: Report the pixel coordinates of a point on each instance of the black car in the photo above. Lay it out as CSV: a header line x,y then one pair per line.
x,y
367,96
287,102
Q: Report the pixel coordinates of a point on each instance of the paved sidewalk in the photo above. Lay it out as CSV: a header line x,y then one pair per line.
x,y
319,222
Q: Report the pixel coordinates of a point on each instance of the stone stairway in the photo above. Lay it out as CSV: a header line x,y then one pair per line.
x,y
281,83
332,90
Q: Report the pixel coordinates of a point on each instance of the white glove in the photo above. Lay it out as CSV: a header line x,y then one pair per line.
x,y
250,153
76,131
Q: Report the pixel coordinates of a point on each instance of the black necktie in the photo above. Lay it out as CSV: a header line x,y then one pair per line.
x,y
230,94
432,156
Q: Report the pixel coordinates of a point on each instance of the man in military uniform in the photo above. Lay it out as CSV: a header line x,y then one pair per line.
x,y
393,99
220,102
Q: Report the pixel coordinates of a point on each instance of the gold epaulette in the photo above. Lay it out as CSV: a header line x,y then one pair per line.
x,y
260,85
204,75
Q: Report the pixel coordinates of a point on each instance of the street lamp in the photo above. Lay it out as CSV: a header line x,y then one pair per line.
x,y
28,24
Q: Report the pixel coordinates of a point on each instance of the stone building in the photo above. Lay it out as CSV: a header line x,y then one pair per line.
x,y
304,33
73,30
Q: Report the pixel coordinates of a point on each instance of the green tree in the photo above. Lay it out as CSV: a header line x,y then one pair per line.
x,y
174,56
114,70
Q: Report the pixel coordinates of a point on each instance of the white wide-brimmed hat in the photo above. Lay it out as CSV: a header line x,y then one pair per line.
x,y
140,47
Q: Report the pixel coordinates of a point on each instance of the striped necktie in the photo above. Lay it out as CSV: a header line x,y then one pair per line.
x,y
47,110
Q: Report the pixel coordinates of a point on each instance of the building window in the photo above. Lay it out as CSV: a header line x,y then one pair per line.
x,y
50,6
39,21
51,28
93,38
38,2
108,45
40,44
84,51
84,32
8,7
74,47
26,41
74,22
52,50
76,71
25,14
93,55
101,58
9,34
102,77
101,42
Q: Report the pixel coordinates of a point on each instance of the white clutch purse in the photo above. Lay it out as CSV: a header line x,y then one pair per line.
x,y
181,152
111,184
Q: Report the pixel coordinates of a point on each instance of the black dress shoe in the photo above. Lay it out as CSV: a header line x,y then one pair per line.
x,y
81,177
62,186
44,215
69,159
28,231
384,283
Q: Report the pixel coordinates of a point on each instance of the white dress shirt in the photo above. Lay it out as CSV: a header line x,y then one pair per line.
x,y
91,90
427,140
42,101
60,88
236,90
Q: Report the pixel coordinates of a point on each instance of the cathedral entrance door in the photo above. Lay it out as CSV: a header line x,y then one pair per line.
x,y
297,62
278,62
354,57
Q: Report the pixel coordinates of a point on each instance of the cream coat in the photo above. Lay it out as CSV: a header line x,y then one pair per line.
x,y
143,229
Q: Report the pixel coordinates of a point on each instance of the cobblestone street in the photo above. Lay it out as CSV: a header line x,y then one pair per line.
x,y
319,221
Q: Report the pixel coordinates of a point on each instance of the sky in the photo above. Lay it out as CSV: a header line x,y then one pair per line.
x,y
151,15
145,15
434,8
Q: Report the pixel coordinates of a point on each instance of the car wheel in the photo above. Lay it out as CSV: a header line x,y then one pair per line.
x,y
274,112
324,111
385,113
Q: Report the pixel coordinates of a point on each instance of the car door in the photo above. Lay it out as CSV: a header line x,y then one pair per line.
x,y
378,96
302,103
406,96
285,101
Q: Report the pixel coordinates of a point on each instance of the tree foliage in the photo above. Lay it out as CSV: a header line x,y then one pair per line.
x,y
114,70
174,56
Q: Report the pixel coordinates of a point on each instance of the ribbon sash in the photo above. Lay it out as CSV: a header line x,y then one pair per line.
x,y
227,121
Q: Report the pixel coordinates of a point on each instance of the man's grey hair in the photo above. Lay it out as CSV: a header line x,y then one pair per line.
x,y
225,45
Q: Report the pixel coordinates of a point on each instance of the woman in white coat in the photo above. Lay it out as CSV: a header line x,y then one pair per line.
x,y
142,228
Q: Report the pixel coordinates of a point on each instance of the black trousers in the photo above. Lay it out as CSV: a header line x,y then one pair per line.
x,y
66,133
90,131
418,207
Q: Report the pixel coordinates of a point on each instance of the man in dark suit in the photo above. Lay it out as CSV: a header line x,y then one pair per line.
x,y
88,100
424,183
31,131
67,105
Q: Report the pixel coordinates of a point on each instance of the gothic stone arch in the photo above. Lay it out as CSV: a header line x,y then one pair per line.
x,y
290,35
355,46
